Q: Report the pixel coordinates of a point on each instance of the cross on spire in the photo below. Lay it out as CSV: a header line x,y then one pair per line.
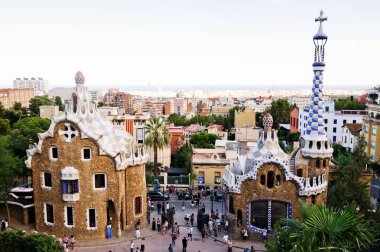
x,y
321,18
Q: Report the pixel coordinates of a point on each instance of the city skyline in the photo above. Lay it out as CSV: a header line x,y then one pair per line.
x,y
251,44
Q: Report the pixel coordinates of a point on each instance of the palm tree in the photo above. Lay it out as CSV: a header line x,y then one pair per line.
x,y
320,228
157,136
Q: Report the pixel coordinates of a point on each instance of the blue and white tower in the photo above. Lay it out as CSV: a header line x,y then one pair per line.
x,y
315,143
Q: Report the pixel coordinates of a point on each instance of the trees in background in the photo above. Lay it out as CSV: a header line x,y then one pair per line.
x,y
349,104
11,168
280,110
321,228
58,102
182,159
203,140
36,102
348,185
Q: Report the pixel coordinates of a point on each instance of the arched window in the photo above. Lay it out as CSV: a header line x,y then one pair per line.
x,y
270,179
262,179
278,180
318,163
324,163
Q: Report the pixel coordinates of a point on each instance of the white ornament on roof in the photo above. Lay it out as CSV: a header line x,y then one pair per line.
x,y
268,151
70,132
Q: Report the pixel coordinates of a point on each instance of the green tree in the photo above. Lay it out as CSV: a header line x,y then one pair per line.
x,y
100,104
4,127
348,185
182,159
11,168
157,136
203,140
58,102
2,110
19,241
25,132
349,104
320,228
36,102
280,110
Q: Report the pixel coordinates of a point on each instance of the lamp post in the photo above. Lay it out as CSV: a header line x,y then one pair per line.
x,y
212,202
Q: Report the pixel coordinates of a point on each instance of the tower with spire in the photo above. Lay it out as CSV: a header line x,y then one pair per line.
x,y
314,143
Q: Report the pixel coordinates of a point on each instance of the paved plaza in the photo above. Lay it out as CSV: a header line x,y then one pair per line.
x,y
155,241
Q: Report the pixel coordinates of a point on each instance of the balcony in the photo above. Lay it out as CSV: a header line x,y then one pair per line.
x,y
70,197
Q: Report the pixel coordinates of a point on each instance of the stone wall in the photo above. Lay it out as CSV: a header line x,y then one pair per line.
x,y
70,155
252,190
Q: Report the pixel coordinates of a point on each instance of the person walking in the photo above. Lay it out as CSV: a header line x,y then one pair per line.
x,y
245,234
154,224
183,206
170,249
210,224
142,247
184,244
158,224
132,246
203,233
138,234
72,241
174,237
158,208
192,217
190,232
265,233
65,241
229,244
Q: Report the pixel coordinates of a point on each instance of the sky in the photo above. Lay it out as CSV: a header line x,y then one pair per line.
x,y
188,44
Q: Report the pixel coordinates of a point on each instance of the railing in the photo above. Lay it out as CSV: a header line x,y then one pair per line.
x,y
70,197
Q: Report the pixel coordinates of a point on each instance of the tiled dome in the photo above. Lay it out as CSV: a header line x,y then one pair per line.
x,y
79,78
268,120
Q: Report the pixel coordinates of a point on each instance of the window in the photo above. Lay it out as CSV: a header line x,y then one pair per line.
x,y
54,153
262,179
69,216
313,199
49,213
100,181
326,121
335,121
70,186
138,205
47,179
86,154
334,139
354,121
270,180
201,174
373,144
91,220
344,121
140,135
374,131
278,180
325,129
366,128
217,177
324,163
345,139
299,172
334,130
318,163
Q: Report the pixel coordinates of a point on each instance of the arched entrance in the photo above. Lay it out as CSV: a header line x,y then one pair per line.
x,y
112,216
